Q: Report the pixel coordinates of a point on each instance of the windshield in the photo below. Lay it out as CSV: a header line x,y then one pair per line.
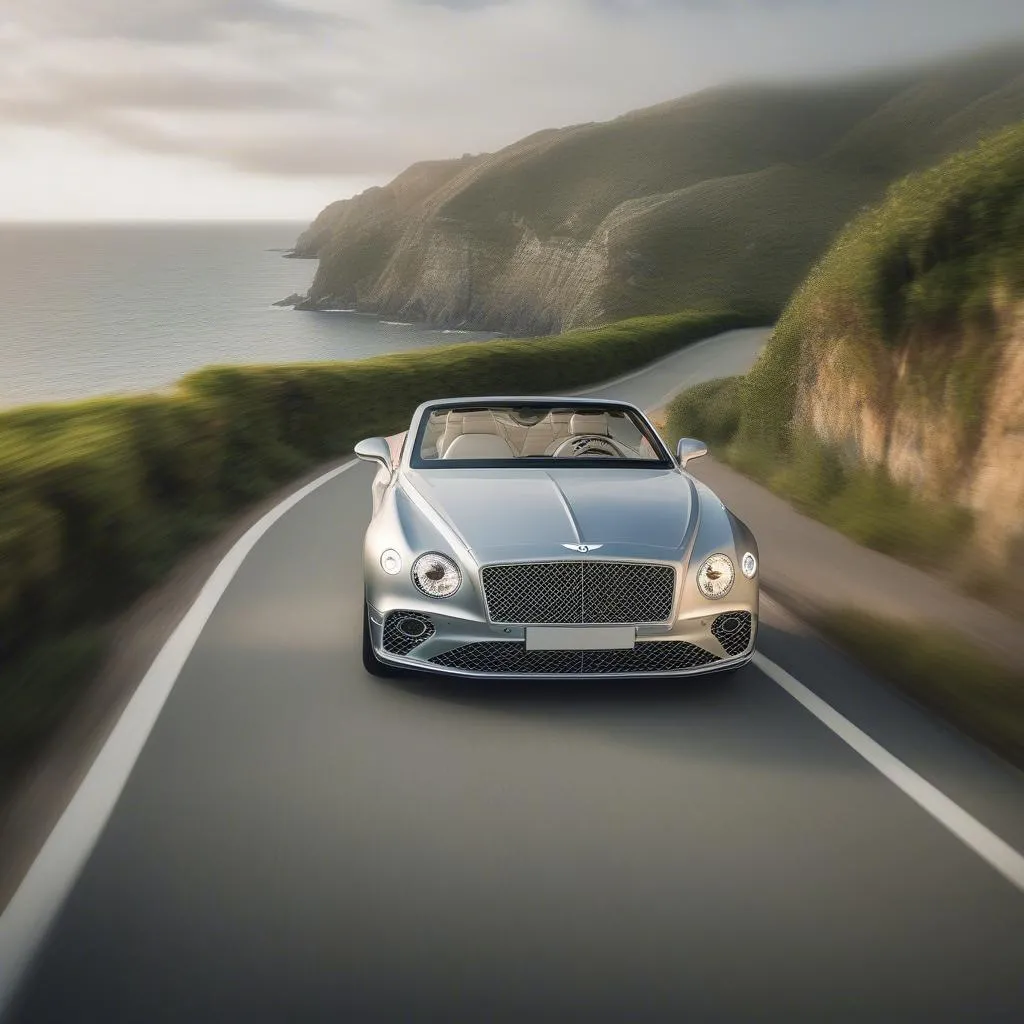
x,y
501,434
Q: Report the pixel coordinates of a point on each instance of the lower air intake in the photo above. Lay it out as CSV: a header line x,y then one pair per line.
x,y
732,631
507,656
405,631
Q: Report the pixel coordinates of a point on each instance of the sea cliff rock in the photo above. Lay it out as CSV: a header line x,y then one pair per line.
x,y
721,199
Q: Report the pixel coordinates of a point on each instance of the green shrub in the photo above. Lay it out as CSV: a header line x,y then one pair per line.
x,y
709,412
812,477
878,513
38,689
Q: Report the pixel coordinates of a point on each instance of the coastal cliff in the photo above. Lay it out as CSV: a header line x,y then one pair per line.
x,y
904,349
720,199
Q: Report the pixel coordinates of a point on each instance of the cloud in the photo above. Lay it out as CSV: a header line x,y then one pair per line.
x,y
173,21
77,94
307,88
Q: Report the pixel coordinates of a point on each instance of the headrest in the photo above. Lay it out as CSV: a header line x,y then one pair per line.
x,y
479,446
589,423
482,422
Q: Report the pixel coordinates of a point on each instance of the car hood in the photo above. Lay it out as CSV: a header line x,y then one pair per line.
x,y
546,513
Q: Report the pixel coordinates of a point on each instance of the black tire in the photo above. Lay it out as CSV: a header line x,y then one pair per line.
x,y
370,662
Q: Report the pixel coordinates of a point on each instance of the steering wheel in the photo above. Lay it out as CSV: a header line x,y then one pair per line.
x,y
585,444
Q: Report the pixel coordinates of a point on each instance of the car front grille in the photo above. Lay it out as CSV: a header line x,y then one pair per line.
x,y
510,656
732,631
590,592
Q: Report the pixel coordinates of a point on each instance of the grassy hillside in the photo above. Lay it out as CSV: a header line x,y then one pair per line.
x,y
724,196
889,401
929,266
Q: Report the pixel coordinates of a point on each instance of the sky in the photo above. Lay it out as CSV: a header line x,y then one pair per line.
x,y
270,109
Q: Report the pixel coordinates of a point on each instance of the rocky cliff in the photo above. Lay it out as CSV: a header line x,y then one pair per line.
x,y
723,198
905,347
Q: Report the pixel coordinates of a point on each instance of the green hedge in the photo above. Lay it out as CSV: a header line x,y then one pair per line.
x,y
98,498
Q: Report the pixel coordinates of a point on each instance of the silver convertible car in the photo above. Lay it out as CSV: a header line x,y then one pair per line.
x,y
540,537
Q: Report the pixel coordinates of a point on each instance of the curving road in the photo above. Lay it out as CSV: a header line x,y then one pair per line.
x,y
300,842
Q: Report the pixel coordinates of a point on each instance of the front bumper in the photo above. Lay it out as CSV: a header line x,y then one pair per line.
x,y
706,641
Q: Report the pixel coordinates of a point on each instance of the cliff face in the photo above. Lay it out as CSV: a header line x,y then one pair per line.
x,y
886,418
905,347
724,198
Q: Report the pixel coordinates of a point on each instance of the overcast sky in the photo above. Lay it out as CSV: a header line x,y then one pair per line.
x,y
271,108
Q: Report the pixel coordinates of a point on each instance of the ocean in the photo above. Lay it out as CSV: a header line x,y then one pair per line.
x,y
101,309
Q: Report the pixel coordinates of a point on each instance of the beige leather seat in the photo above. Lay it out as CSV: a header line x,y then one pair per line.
x,y
452,429
479,446
475,435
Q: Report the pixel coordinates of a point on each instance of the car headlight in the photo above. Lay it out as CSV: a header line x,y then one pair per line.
x,y
436,575
391,562
748,566
716,576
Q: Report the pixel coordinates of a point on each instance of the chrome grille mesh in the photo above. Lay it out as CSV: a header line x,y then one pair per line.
x,y
512,657
732,631
578,592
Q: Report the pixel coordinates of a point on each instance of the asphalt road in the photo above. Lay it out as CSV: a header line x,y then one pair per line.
x,y
301,842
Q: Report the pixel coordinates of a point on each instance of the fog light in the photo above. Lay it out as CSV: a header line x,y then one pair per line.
x,y
749,565
391,562
412,627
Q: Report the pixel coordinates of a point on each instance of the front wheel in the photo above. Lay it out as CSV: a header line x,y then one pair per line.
x,y
370,662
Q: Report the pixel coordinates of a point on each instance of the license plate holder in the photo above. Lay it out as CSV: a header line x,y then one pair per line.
x,y
580,638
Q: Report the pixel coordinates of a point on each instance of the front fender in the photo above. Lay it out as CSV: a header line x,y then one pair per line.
x,y
405,524
721,531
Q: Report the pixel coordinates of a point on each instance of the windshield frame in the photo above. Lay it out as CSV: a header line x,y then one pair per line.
x,y
416,460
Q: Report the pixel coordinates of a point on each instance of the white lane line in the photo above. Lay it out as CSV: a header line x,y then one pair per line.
x,y
28,916
984,842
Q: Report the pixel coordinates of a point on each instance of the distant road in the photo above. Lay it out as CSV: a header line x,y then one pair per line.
x,y
300,842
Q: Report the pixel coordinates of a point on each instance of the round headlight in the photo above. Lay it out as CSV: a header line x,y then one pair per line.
x,y
391,562
436,575
748,566
715,577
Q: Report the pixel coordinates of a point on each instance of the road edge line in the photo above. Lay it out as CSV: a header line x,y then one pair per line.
x,y
996,852
39,897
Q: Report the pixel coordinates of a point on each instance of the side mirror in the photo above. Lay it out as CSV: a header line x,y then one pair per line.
x,y
374,449
689,448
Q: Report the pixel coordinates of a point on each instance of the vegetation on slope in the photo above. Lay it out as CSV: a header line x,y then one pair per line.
x,y
99,498
863,503
927,261
908,293
722,198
